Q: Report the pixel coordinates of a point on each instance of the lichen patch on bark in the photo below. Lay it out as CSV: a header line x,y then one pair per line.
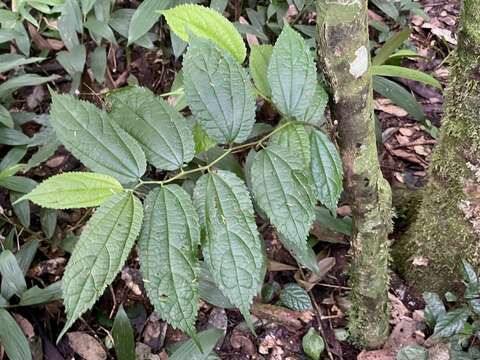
x,y
359,65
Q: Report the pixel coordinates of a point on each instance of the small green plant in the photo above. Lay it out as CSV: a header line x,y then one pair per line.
x,y
287,171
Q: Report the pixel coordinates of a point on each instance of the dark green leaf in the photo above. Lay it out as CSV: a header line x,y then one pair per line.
x,y
13,137
406,73
73,61
70,23
292,74
98,63
190,351
434,308
295,298
451,323
19,184
17,82
325,218
294,138
122,333
97,141
101,30
160,130
20,208
326,170
12,338
392,44
26,254
168,255
233,250
144,17
11,61
5,117
286,196
314,114
38,296
219,92
13,282
412,352
48,220
208,291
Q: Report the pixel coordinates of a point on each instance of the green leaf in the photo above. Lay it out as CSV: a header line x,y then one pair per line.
x,y
292,74
98,63
168,248
74,190
326,170
144,17
100,253
123,338
13,137
219,92
208,291
21,209
434,308
399,96
98,142
26,254
468,273
295,139
412,352
258,63
387,7
12,338
101,30
159,129
203,142
392,44
17,82
73,61
188,19
43,154
48,220
69,23
451,323
120,22
13,282
11,61
287,198
325,218
11,160
5,117
313,344
87,5
38,296
406,73
233,250
294,297
316,110
190,351
19,184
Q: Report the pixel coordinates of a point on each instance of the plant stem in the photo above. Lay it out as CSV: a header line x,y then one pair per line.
x,y
209,165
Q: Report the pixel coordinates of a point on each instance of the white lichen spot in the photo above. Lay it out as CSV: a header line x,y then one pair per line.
x,y
359,66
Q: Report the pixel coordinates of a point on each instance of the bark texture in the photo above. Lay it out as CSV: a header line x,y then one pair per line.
x,y
344,56
447,226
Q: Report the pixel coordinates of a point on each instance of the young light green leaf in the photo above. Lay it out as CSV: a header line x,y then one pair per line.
x,y
287,198
13,282
94,139
219,92
100,253
12,338
168,248
392,44
203,22
294,297
295,139
144,17
233,250
258,63
159,129
315,112
326,170
190,351
38,296
203,142
406,73
74,190
313,344
123,338
451,323
292,74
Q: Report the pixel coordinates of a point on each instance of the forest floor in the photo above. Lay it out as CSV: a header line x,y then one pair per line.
x,y
404,155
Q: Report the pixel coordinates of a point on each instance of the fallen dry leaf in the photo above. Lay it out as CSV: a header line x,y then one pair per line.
x,y
86,346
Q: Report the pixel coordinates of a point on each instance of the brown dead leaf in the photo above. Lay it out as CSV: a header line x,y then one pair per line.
x,y
251,39
25,325
48,267
277,314
86,346
387,107
406,131
273,265
420,261
240,341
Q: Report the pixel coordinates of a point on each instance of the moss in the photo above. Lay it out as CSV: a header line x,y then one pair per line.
x,y
441,233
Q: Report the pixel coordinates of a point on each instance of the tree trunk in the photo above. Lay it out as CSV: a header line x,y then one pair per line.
x,y
447,226
343,52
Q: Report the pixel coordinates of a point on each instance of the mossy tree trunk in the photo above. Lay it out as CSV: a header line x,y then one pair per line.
x,y
344,56
447,225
